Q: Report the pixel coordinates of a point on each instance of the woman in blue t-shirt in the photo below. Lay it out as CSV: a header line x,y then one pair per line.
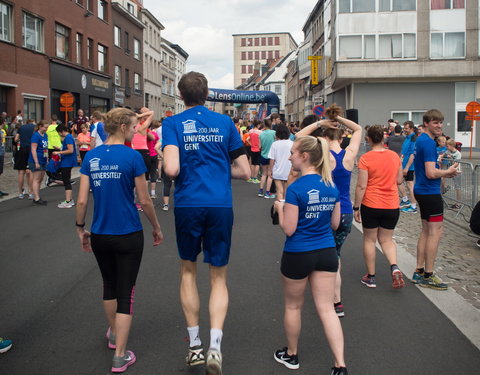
x,y
67,162
113,171
37,160
310,211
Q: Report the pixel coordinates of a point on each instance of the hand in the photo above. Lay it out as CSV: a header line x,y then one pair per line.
x,y
157,236
357,217
405,171
453,170
327,123
55,153
278,206
84,239
37,165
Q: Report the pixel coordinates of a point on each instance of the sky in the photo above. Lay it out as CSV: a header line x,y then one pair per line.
x,y
204,28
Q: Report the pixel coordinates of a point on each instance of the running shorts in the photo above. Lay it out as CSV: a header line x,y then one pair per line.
x,y
21,159
298,266
207,229
431,207
379,217
255,157
264,161
409,176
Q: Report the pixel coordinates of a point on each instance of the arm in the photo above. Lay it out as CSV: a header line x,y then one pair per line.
x,y
356,139
362,180
146,113
33,148
292,176
81,210
335,220
270,169
409,163
16,138
400,174
147,205
432,172
157,148
68,151
171,161
287,217
240,168
309,129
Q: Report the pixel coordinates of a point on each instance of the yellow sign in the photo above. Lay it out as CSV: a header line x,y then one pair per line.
x,y
314,69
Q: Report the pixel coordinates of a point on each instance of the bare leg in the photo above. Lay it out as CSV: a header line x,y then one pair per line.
x,y
123,322
410,191
435,230
189,293
294,291
369,252
323,287
21,179
218,304
338,284
389,248
110,308
280,189
421,244
263,180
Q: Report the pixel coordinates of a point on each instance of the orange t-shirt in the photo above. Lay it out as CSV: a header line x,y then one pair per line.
x,y
382,189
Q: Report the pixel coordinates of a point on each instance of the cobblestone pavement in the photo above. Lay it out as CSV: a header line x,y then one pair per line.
x,y
458,261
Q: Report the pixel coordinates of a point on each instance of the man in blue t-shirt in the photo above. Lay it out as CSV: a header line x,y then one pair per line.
x,y
22,138
407,155
427,194
202,150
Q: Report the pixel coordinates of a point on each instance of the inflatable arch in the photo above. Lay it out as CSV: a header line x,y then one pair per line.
x,y
239,96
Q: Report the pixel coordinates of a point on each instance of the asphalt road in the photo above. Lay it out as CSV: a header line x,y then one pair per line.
x,y
51,304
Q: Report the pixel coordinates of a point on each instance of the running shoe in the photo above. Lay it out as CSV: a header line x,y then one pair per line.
x,y
369,281
255,181
153,196
195,356
3,193
250,180
409,210
20,196
433,282
260,193
65,204
417,277
72,202
214,362
339,309
478,243
269,196
110,339
339,371
120,364
40,202
139,207
30,197
289,361
404,204
73,182
5,345
165,207
397,279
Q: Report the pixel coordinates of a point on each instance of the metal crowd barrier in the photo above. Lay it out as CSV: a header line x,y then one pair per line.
x,y
461,191
9,144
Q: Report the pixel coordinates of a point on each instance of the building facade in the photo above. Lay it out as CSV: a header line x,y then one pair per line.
x,y
180,68
126,63
152,57
168,74
45,54
398,58
249,48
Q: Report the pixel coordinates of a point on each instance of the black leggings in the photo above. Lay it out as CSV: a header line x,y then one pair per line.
x,y
167,184
119,258
67,177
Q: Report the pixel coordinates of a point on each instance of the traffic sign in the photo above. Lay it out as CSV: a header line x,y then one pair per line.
x,y
67,99
66,109
473,109
318,110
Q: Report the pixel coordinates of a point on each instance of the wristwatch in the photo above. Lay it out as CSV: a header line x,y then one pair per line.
x,y
355,208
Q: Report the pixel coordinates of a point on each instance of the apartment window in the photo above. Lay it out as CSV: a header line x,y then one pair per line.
x,y
396,46
90,52
277,54
250,69
250,55
244,69
397,5
62,36
136,82
350,47
356,6
464,92
369,46
32,32
33,108
448,4
78,43
401,116
257,55
102,58
264,41
102,9
131,8
127,80
278,89
117,36
257,42
264,55
90,5
243,42
447,45
5,22
277,40
136,48
250,42
118,75
270,41
244,55
270,55
127,47
164,85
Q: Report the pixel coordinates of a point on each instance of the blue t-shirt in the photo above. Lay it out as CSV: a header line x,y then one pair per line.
x,y
42,145
425,151
25,133
408,148
204,139
69,160
315,201
112,170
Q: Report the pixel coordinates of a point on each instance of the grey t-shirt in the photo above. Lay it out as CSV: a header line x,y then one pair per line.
x,y
395,143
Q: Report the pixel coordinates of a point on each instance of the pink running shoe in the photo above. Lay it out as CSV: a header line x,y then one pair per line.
x,y
397,279
120,364
110,339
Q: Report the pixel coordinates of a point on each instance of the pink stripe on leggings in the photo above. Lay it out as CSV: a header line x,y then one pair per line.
x,y
132,297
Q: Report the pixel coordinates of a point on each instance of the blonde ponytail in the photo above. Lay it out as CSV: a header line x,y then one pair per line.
x,y
317,148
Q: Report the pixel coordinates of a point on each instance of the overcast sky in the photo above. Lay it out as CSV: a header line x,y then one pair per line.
x,y
204,28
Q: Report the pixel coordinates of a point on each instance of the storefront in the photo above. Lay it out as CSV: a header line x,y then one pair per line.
x,y
92,92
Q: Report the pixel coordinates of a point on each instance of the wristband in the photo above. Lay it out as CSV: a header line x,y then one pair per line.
x,y
355,208
80,225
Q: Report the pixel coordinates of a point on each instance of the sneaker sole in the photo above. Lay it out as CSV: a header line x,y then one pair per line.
x,y
369,285
213,368
340,315
432,286
126,365
397,280
286,364
6,349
